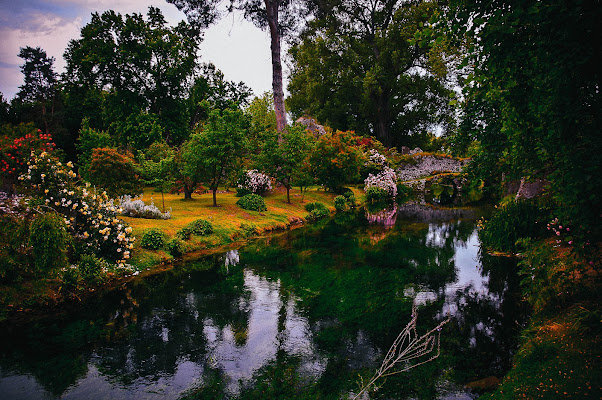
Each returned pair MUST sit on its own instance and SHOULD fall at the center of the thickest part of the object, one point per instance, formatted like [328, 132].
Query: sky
[239, 49]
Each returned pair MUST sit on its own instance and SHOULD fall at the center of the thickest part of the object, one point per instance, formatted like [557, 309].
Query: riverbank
[230, 222]
[232, 225]
[560, 352]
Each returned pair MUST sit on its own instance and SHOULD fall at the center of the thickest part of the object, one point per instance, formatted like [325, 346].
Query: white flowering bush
[91, 217]
[136, 208]
[385, 180]
[374, 157]
[255, 181]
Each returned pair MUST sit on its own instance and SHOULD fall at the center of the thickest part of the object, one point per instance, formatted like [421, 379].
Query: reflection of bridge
[428, 213]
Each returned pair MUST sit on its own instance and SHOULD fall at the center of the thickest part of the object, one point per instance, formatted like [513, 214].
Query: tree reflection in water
[299, 317]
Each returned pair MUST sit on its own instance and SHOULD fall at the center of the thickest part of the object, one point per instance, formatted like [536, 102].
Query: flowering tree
[255, 181]
[385, 180]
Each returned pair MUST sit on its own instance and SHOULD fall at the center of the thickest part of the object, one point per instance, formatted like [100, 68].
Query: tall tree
[358, 67]
[280, 17]
[40, 82]
[133, 65]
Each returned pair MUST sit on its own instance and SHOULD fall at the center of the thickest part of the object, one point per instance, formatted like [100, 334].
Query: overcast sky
[235, 46]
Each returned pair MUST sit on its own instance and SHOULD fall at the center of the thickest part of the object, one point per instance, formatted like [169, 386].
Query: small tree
[283, 157]
[88, 140]
[114, 172]
[216, 152]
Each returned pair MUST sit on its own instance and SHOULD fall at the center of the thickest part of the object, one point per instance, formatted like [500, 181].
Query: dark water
[302, 315]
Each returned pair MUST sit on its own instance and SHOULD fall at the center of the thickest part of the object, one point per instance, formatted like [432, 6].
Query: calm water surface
[302, 315]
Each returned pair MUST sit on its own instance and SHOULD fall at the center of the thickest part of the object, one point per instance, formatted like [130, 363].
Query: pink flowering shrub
[255, 181]
[386, 180]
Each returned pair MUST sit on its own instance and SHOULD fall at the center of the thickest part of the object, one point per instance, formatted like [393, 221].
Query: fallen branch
[407, 351]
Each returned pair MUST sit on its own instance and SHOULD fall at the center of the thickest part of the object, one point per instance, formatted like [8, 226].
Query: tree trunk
[187, 192]
[288, 196]
[214, 190]
[382, 125]
[271, 7]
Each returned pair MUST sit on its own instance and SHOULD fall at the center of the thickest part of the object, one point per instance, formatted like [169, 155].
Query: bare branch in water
[407, 351]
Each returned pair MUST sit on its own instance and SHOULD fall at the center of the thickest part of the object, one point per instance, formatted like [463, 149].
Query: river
[306, 314]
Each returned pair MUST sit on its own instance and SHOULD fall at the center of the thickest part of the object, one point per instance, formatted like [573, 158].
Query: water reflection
[301, 316]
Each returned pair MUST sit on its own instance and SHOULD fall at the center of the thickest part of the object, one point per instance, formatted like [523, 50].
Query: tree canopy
[357, 67]
[126, 65]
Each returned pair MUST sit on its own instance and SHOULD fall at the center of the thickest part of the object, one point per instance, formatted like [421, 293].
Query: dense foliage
[129, 74]
[357, 68]
[532, 103]
[337, 159]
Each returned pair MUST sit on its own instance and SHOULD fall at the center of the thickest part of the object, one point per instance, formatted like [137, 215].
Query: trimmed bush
[176, 247]
[316, 210]
[240, 192]
[340, 203]
[152, 239]
[199, 227]
[252, 202]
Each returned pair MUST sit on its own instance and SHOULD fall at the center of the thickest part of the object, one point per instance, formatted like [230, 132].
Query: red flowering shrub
[16, 145]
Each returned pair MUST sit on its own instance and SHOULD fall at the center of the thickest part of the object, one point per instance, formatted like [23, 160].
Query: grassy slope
[230, 222]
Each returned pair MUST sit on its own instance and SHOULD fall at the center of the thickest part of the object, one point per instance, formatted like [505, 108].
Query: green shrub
[349, 196]
[199, 227]
[152, 239]
[176, 247]
[316, 210]
[513, 221]
[252, 202]
[49, 239]
[70, 279]
[374, 193]
[340, 203]
[90, 269]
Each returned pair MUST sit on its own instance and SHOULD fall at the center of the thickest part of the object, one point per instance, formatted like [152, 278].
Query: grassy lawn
[230, 222]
